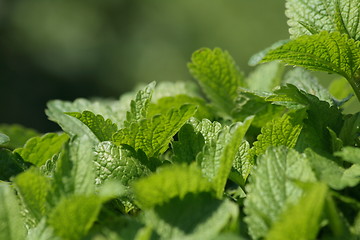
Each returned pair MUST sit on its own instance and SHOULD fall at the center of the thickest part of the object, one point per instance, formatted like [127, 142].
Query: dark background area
[66, 49]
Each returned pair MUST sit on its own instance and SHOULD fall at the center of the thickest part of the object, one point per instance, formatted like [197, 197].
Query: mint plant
[270, 155]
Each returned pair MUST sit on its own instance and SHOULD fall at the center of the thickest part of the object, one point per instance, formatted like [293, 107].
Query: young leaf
[139, 106]
[313, 16]
[350, 132]
[122, 163]
[189, 144]
[38, 150]
[350, 154]
[303, 219]
[74, 216]
[11, 223]
[154, 135]
[218, 76]
[164, 104]
[243, 161]
[169, 182]
[18, 135]
[271, 188]
[331, 173]
[33, 189]
[115, 110]
[74, 173]
[217, 157]
[283, 131]
[11, 164]
[209, 130]
[102, 129]
[329, 52]
[305, 81]
[4, 139]
[196, 216]
[265, 77]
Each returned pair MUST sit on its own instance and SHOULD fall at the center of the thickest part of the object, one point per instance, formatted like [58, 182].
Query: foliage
[265, 156]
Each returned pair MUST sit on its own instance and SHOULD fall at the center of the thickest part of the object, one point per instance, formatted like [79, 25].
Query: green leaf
[74, 173]
[330, 172]
[350, 132]
[169, 182]
[196, 216]
[11, 224]
[305, 81]
[208, 129]
[265, 77]
[349, 154]
[38, 150]
[329, 52]
[154, 135]
[74, 216]
[256, 58]
[254, 103]
[282, 131]
[42, 231]
[102, 129]
[315, 133]
[164, 104]
[33, 189]
[18, 135]
[189, 144]
[121, 163]
[11, 164]
[313, 16]
[303, 219]
[243, 162]
[217, 157]
[218, 76]
[115, 110]
[139, 106]
[4, 139]
[271, 188]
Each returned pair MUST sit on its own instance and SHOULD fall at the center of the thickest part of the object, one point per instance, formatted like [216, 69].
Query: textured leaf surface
[115, 110]
[218, 155]
[243, 161]
[102, 129]
[74, 172]
[189, 144]
[331, 173]
[329, 52]
[303, 219]
[305, 81]
[153, 135]
[11, 224]
[315, 133]
[196, 216]
[164, 104]
[33, 189]
[139, 106]
[218, 76]
[169, 182]
[121, 163]
[73, 217]
[313, 16]
[283, 131]
[38, 150]
[271, 188]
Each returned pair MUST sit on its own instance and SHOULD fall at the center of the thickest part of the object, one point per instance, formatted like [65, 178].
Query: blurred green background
[65, 49]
